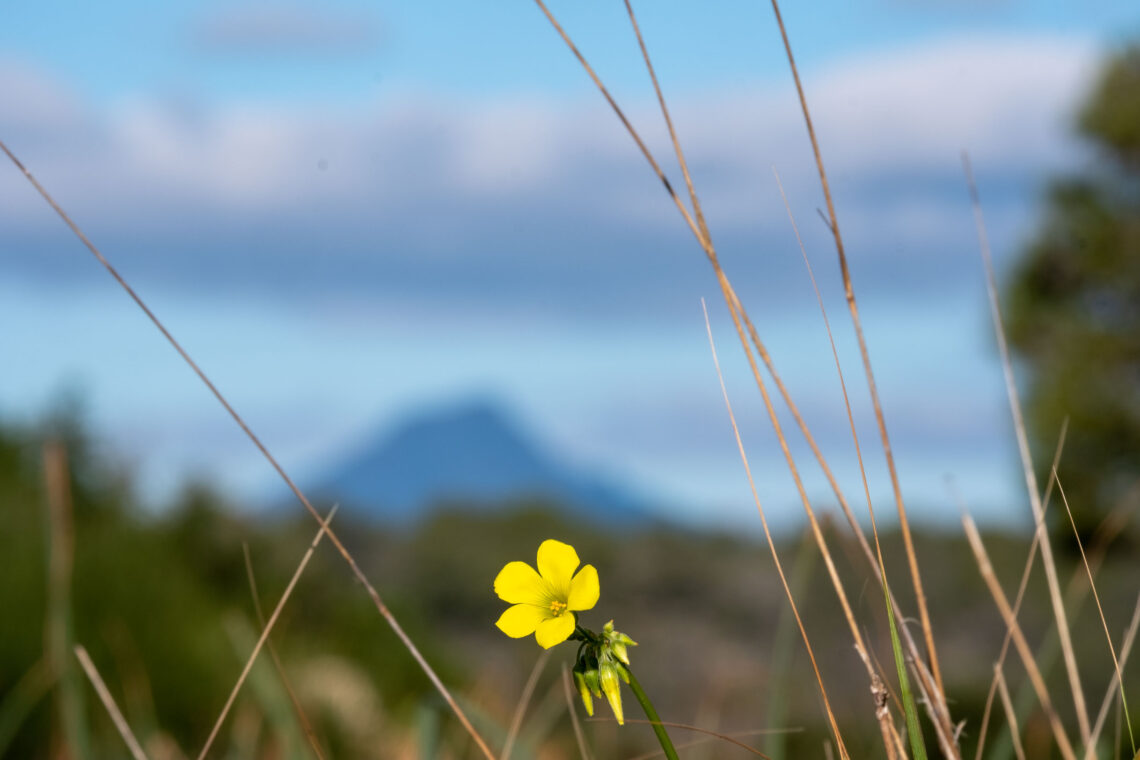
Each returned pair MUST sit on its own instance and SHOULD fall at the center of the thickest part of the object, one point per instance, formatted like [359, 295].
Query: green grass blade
[913, 729]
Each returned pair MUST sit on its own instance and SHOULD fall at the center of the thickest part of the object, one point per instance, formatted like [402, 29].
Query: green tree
[1074, 307]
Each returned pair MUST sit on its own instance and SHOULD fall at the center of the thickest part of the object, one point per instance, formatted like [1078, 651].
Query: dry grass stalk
[880, 419]
[706, 244]
[713, 738]
[1078, 587]
[700, 230]
[569, 689]
[938, 711]
[1100, 609]
[109, 703]
[696, 729]
[299, 711]
[937, 708]
[987, 571]
[771, 543]
[524, 702]
[1027, 461]
[882, 698]
[817, 533]
[625, 121]
[701, 225]
[1010, 713]
[1111, 692]
[377, 601]
[738, 307]
[265, 631]
[1021, 588]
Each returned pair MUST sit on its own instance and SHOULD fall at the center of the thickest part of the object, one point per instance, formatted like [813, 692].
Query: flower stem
[654, 718]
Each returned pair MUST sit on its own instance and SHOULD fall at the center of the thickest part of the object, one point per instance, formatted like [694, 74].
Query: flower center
[557, 607]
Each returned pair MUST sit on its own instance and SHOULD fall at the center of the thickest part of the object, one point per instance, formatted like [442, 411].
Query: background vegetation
[164, 606]
[1074, 304]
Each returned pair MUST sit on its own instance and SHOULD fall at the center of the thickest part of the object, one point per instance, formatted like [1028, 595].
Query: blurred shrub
[1074, 309]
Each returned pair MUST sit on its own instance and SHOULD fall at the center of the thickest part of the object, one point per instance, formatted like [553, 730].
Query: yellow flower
[545, 601]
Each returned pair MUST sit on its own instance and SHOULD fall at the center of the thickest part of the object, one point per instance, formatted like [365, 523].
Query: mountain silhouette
[473, 454]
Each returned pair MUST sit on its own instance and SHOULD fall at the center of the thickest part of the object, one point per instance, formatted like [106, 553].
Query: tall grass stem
[1027, 460]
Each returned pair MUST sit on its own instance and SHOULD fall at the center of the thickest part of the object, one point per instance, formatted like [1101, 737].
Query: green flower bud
[611, 686]
[584, 691]
[616, 642]
[623, 671]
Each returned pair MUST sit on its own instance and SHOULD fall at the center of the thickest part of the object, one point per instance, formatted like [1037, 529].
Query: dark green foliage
[1074, 309]
[1112, 115]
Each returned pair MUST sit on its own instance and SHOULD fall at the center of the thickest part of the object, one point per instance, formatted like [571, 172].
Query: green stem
[654, 718]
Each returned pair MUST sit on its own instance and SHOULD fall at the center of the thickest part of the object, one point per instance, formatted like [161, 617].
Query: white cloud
[289, 28]
[891, 118]
[1005, 99]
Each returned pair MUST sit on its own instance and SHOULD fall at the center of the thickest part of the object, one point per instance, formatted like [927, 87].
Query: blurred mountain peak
[474, 452]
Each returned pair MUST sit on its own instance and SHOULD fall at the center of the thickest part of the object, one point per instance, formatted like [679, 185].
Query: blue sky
[352, 210]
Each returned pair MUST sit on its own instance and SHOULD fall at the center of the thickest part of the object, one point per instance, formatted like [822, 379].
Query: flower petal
[584, 589]
[554, 630]
[557, 562]
[518, 583]
[522, 620]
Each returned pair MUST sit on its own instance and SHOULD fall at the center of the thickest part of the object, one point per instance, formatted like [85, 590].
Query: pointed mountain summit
[472, 453]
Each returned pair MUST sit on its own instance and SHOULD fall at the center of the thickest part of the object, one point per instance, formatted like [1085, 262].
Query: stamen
[557, 607]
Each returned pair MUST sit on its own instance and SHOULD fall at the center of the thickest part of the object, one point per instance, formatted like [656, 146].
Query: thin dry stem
[735, 305]
[891, 739]
[771, 543]
[1010, 713]
[583, 752]
[109, 703]
[1096, 598]
[299, 711]
[1111, 692]
[816, 532]
[880, 419]
[987, 571]
[688, 727]
[1021, 588]
[265, 634]
[937, 708]
[344, 553]
[704, 228]
[1027, 462]
[706, 244]
[716, 737]
[940, 714]
[524, 702]
[625, 121]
